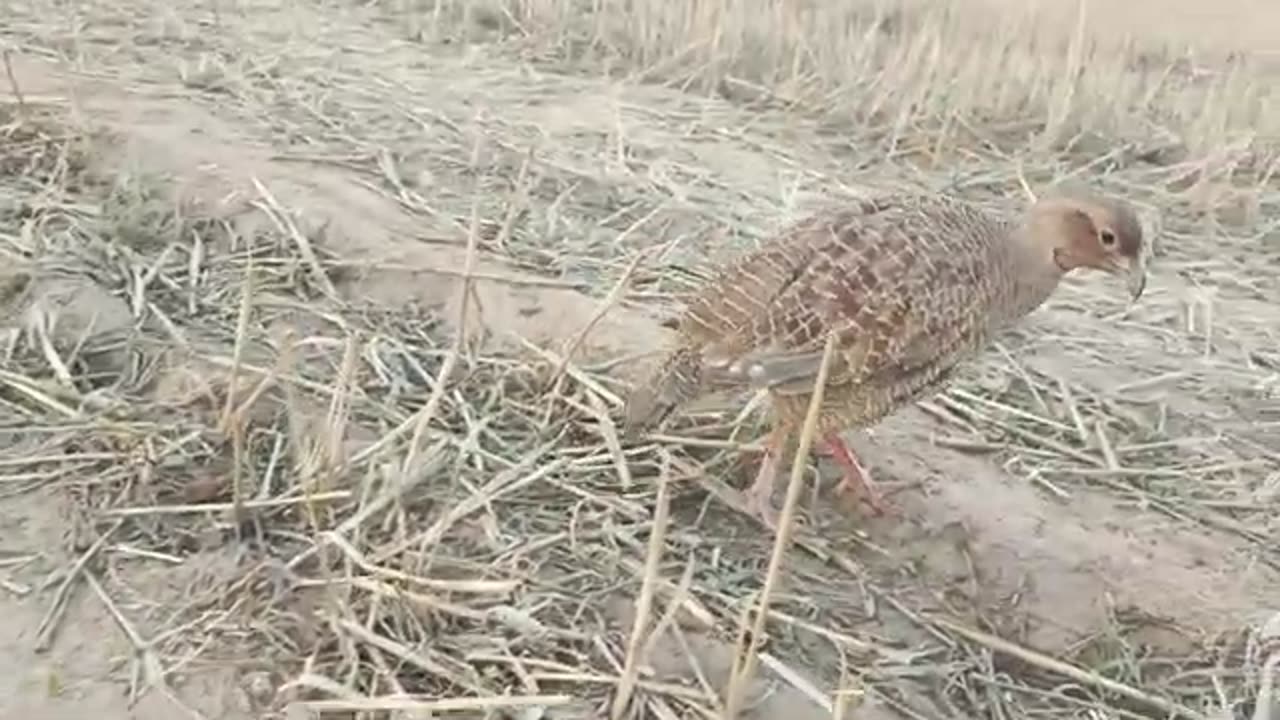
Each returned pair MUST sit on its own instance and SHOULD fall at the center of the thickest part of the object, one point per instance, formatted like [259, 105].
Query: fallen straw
[422, 706]
[1059, 667]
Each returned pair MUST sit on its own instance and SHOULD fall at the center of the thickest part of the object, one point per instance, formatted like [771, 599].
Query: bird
[911, 285]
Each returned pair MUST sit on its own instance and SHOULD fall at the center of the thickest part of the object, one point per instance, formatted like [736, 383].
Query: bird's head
[1093, 232]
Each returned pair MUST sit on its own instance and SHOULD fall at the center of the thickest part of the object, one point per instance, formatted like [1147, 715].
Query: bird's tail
[673, 382]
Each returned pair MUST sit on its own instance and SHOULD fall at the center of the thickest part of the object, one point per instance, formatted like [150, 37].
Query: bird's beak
[1135, 272]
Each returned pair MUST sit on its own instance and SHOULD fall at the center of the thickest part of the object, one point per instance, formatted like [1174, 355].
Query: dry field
[317, 315]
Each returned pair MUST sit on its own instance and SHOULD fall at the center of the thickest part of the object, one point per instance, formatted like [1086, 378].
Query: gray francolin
[910, 286]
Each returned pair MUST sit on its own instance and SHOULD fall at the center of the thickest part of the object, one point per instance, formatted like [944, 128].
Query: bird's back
[879, 270]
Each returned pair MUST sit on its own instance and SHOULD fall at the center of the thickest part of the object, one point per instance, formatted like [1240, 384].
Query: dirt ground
[1062, 566]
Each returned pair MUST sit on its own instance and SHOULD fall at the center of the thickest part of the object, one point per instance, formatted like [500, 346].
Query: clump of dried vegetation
[425, 521]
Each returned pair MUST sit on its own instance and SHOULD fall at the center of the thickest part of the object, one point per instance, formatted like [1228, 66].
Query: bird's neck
[1035, 274]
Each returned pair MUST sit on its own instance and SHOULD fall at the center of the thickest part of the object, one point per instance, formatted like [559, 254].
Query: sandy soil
[1069, 564]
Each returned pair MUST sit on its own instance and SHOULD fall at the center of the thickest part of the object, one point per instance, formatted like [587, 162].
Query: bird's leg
[856, 476]
[760, 494]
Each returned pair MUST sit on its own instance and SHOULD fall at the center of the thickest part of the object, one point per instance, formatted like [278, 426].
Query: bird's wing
[715, 320]
[900, 290]
[725, 308]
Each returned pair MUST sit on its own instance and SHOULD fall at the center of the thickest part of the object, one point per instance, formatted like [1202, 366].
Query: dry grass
[913, 78]
[428, 521]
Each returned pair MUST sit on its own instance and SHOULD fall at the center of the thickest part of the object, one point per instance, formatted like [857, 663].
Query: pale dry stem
[745, 657]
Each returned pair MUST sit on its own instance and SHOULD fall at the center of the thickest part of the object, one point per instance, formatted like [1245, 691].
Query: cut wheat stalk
[745, 656]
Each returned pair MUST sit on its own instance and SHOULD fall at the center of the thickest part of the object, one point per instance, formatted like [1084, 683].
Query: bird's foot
[856, 478]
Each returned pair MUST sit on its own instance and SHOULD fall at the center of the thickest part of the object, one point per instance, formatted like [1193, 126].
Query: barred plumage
[909, 285]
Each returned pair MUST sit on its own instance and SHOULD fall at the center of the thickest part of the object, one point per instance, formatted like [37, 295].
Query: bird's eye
[1107, 238]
